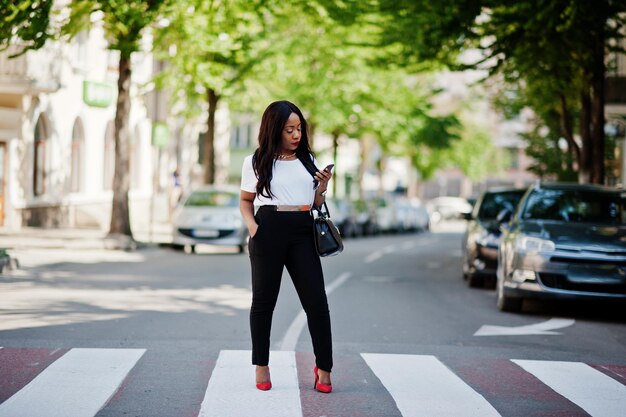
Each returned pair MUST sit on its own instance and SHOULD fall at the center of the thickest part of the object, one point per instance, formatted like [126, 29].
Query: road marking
[591, 390]
[543, 328]
[389, 249]
[374, 256]
[408, 245]
[297, 325]
[231, 391]
[77, 384]
[423, 386]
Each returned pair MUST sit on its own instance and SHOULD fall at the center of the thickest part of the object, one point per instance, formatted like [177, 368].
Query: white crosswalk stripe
[231, 391]
[76, 385]
[590, 389]
[423, 386]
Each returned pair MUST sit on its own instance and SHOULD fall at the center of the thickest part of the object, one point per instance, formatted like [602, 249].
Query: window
[78, 141]
[513, 158]
[577, 206]
[493, 203]
[241, 136]
[39, 157]
[212, 199]
[109, 156]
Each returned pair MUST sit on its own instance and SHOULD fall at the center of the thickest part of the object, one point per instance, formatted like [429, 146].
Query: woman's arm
[323, 177]
[246, 206]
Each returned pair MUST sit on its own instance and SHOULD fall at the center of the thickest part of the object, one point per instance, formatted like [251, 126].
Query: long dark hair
[273, 122]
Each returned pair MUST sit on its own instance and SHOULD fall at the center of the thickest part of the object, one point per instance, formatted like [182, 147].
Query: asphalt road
[164, 330]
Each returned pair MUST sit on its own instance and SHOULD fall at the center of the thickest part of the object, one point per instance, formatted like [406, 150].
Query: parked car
[447, 208]
[346, 221]
[411, 214]
[482, 237]
[209, 215]
[366, 217]
[564, 241]
[386, 215]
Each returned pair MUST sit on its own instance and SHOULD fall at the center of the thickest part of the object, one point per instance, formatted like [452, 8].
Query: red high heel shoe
[326, 389]
[264, 386]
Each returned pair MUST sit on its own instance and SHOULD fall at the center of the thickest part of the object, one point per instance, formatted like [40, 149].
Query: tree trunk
[584, 170]
[120, 217]
[568, 133]
[597, 113]
[335, 149]
[209, 139]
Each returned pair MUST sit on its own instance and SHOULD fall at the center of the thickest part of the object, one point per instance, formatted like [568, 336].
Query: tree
[27, 20]
[124, 24]
[211, 47]
[562, 42]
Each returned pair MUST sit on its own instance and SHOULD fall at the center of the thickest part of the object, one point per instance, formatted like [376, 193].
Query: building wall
[56, 98]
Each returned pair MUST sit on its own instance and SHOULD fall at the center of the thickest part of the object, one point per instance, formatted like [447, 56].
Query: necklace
[281, 156]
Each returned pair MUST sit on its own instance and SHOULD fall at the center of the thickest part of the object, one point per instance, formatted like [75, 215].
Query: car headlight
[534, 244]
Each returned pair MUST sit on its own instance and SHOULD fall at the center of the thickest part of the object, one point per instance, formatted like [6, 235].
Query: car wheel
[475, 281]
[242, 248]
[177, 246]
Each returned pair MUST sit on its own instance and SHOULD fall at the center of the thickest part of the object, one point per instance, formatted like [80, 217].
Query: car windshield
[580, 206]
[212, 199]
[493, 203]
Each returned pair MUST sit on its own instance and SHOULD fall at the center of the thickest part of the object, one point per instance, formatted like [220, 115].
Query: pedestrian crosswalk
[84, 382]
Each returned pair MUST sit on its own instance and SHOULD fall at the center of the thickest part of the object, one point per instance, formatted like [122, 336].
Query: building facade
[57, 145]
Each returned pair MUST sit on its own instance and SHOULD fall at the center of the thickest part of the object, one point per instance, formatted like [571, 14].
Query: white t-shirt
[291, 183]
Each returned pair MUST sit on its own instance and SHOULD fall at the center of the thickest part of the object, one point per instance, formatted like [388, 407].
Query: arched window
[78, 144]
[109, 156]
[39, 157]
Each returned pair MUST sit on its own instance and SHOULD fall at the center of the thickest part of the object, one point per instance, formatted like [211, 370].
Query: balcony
[33, 72]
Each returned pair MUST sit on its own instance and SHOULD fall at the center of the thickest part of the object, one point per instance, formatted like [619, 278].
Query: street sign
[97, 94]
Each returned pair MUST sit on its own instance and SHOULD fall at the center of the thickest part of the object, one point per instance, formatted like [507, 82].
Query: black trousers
[285, 239]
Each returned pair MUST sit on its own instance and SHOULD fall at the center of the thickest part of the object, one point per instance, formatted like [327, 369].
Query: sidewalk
[82, 239]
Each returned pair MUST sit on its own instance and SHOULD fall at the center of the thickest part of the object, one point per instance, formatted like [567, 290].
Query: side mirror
[504, 216]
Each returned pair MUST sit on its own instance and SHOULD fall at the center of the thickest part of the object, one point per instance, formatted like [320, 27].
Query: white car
[447, 208]
[412, 215]
[209, 215]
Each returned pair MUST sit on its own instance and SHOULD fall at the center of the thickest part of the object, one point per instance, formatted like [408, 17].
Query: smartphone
[329, 167]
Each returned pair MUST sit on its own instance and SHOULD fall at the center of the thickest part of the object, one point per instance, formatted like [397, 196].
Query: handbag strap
[319, 209]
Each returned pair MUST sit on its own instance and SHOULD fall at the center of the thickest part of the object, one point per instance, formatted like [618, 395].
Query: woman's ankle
[262, 373]
[324, 376]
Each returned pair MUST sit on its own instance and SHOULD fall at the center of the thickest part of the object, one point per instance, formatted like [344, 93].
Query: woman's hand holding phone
[324, 176]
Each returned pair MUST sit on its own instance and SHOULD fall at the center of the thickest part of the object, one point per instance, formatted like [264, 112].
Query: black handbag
[327, 237]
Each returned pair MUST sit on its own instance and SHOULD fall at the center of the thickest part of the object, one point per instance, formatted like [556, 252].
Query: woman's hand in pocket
[253, 230]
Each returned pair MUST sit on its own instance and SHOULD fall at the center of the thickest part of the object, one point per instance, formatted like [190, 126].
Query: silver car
[210, 215]
[564, 241]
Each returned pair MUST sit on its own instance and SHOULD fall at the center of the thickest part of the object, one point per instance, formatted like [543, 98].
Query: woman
[281, 180]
